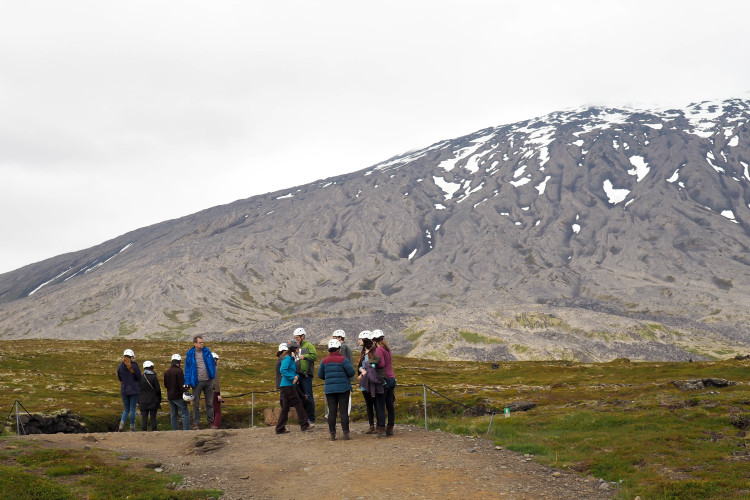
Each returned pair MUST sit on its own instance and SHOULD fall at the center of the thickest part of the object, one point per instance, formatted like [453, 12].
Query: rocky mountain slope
[588, 234]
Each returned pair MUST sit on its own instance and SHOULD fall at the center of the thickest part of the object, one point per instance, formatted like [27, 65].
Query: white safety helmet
[148, 364]
[300, 331]
[129, 352]
[365, 334]
[283, 347]
[377, 334]
[339, 333]
[216, 356]
[176, 357]
[187, 396]
[334, 344]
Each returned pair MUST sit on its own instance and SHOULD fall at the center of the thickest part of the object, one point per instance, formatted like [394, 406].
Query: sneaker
[285, 431]
[132, 428]
[311, 425]
[121, 427]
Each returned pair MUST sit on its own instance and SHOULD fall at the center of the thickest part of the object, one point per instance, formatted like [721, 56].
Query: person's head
[364, 334]
[299, 335]
[339, 335]
[334, 345]
[282, 350]
[292, 346]
[198, 342]
[128, 357]
[379, 337]
[176, 358]
[148, 365]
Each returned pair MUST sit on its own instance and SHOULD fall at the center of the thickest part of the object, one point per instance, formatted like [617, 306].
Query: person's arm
[321, 372]
[288, 369]
[348, 368]
[379, 353]
[312, 353]
[217, 389]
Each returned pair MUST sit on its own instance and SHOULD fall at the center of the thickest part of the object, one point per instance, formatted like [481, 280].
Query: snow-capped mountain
[586, 234]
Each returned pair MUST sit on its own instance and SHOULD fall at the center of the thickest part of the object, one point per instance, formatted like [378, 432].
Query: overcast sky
[118, 115]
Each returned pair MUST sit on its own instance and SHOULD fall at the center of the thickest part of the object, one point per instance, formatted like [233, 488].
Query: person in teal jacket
[200, 370]
[288, 389]
[337, 371]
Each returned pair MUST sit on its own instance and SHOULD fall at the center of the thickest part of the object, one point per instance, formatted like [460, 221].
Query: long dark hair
[366, 346]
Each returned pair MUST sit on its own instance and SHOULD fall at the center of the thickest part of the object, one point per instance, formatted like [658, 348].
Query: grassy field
[620, 421]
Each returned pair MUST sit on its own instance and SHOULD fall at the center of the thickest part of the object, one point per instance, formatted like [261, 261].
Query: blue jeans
[305, 384]
[178, 407]
[129, 401]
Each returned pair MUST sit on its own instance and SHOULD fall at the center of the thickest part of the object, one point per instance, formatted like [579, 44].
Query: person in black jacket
[150, 398]
[174, 382]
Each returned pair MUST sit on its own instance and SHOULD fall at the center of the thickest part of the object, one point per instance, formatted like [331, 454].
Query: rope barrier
[486, 412]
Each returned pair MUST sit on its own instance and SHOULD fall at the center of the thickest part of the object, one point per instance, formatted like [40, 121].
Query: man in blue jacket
[200, 370]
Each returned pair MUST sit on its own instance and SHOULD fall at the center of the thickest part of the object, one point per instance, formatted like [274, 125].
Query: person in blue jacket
[288, 388]
[200, 370]
[337, 372]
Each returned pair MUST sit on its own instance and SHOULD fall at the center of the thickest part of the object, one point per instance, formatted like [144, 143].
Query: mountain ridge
[622, 233]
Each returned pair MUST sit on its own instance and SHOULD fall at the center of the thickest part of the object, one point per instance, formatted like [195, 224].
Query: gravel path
[255, 463]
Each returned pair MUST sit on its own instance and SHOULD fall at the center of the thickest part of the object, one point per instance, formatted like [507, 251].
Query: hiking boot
[380, 432]
[346, 436]
[285, 431]
[196, 427]
[121, 427]
[389, 430]
[371, 430]
[132, 428]
[333, 436]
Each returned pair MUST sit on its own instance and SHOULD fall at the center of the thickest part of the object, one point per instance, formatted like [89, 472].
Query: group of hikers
[295, 370]
[201, 375]
[374, 374]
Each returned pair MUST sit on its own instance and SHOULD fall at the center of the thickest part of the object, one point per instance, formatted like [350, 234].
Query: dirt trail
[255, 463]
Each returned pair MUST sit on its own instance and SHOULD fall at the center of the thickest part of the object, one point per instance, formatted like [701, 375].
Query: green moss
[125, 329]
[414, 335]
[476, 338]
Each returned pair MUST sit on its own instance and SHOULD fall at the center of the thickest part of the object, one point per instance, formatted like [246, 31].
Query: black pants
[306, 403]
[144, 419]
[338, 402]
[370, 404]
[290, 398]
[386, 403]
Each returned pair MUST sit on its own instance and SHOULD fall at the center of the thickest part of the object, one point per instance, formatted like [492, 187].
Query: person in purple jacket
[130, 377]
[386, 403]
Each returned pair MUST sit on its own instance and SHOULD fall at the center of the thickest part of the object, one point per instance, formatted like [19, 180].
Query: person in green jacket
[306, 357]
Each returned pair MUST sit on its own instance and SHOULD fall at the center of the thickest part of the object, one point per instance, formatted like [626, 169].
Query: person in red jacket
[217, 394]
